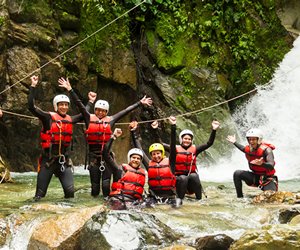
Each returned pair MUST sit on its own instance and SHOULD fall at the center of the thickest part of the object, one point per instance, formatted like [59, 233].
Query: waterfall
[275, 110]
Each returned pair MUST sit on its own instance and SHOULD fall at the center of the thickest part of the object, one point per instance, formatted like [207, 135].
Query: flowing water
[275, 109]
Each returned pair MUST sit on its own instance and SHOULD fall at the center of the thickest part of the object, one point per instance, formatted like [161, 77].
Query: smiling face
[100, 113]
[253, 142]
[62, 108]
[135, 161]
[156, 155]
[186, 140]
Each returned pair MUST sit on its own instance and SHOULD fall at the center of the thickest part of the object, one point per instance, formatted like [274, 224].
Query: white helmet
[102, 104]
[255, 132]
[185, 132]
[134, 151]
[60, 98]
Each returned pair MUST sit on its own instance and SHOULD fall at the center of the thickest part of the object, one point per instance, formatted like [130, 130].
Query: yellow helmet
[157, 146]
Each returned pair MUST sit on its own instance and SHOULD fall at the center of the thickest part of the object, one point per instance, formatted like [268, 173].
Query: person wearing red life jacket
[56, 139]
[128, 187]
[187, 178]
[98, 131]
[161, 170]
[261, 163]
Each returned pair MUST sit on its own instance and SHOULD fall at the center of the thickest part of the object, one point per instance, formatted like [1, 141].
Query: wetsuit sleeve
[45, 117]
[209, 143]
[172, 155]
[85, 115]
[137, 143]
[108, 158]
[239, 146]
[269, 159]
[122, 113]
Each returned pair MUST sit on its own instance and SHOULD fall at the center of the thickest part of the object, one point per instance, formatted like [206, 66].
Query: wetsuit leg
[67, 182]
[95, 175]
[194, 185]
[106, 176]
[43, 179]
[241, 175]
[181, 185]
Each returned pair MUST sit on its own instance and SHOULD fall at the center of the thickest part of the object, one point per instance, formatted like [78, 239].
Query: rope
[161, 119]
[72, 47]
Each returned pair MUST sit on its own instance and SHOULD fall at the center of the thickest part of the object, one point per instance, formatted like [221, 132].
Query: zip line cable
[72, 47]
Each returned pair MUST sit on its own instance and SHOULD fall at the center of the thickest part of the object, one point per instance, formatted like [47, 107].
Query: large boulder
[211, 242]
[4, 172]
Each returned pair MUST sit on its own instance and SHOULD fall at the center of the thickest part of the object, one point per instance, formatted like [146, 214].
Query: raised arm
[147, 101]
[172, 156]
[215, 125]
[156, 134]
[232, 139]
[136, 142]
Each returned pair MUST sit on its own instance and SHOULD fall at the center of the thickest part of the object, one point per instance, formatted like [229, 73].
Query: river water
[275, 109]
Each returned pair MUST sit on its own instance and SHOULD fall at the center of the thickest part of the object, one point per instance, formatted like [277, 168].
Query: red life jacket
[131, 184]
[61, 130]
[99, 130]
[257, 154]
[160, 176]
[185, 160]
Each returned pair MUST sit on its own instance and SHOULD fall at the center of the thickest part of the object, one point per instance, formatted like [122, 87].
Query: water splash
[275, 110]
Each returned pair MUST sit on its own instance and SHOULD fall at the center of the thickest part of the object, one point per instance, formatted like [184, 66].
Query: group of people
[169, 178]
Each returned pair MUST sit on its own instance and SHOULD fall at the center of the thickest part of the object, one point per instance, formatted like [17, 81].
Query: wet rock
[125, 230]
[178, 247]
[270, 196]
[61, 231]
[286, 215]
[211, 242]
[295, 220]
[3, 232]
[270, 237]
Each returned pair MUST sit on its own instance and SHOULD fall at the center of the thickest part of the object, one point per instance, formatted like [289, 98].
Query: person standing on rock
[161, 169]
[261, 162]
[128, 188]
[56, 139]
[99, 130]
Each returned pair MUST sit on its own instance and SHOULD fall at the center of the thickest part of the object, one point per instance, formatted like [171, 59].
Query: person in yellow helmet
[161, 169]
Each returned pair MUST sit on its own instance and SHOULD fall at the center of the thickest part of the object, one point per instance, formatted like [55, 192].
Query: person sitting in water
[187, 178]
[56, 138]
[98, 131]
[128, 188]
[161, 170]
[261, 163]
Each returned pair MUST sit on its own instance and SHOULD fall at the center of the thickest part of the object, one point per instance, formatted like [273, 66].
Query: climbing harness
[61, 157]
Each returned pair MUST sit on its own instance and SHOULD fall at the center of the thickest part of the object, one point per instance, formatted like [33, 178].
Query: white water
[276, 111]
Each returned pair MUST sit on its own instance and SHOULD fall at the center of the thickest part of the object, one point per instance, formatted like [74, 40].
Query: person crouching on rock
[131, 177]
[261, 162]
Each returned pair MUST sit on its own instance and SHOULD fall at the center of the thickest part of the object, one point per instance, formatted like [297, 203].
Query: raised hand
[215, 125]
[92, 96]
[172, 120]
[231, 138]
[117, 132]
[64, 83]
[133, 125]
[154, 124]
[146, 101]
[34, 80]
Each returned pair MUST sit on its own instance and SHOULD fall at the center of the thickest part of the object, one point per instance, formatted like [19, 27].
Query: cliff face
[186, 55]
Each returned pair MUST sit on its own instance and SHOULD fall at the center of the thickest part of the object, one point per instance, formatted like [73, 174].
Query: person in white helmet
[128, 187]
[261, 162]
[187, 177]
[99, 130]
[161, 169]
[56, 139]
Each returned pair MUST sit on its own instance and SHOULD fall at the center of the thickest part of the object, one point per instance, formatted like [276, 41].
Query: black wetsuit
[252, 179]
[49, 162]
[95, 156]
[162, 195]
